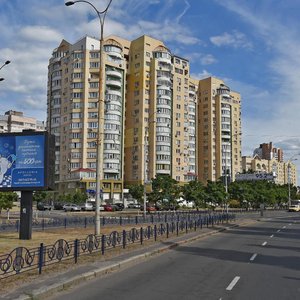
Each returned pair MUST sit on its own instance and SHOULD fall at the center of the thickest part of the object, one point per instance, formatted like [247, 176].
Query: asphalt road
[259, 261]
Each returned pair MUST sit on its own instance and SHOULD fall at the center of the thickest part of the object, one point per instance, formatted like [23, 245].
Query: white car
[71, 207]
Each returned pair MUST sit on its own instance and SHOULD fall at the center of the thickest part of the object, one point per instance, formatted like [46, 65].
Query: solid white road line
[272, 236]
[253, 256]
[264, 244]
[233, 283]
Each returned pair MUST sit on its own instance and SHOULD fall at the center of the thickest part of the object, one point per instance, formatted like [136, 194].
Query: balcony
[114, 83]
[114, 73]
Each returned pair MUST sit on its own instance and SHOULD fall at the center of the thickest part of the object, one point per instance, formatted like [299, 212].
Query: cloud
[201, 75]
[235, 39]
[40, 34]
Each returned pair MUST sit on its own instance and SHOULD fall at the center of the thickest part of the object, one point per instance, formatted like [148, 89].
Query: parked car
[88, 206]
[59, 205]
[134, 205]
[149, 208]
[44, 206]
[109, 207]
[119, 206]
[71, 207]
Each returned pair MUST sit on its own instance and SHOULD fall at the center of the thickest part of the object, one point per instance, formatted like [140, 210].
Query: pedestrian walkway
[46, 285]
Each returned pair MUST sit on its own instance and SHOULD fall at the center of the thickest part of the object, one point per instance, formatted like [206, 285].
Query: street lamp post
[289, 176]
[6, 63]
[101, 15]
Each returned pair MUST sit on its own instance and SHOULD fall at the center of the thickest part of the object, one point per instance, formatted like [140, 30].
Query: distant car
[134, 205]
[149, 208]
[71, 207]
[88, 206]
[59, 205]
[109, 207]
[44, 206]
[119, 206]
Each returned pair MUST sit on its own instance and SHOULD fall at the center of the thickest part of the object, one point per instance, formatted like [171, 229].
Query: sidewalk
[45, 286]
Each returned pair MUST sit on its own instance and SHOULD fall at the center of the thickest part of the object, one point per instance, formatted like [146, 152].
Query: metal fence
[84, 222]
[22, 259]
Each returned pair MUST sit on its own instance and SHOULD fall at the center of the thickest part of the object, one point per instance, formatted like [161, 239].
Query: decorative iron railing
[84, 222]
[22, 259]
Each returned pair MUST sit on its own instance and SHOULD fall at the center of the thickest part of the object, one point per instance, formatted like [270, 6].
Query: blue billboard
[23, 161]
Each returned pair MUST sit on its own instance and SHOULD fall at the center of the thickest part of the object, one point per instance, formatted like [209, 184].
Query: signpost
[26, 165]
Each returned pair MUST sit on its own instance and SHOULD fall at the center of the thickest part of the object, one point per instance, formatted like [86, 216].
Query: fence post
[43, 224]
[207, 221]
[103, 221]
[141, 235]
[124, 239]
[103, 244]
[76, 254]
[65, 221]
[41, 258]
[177, 228]
[152, 219]
[155, 232]
[85, 222]
[148, 233]
[136, 220]
[167, 230]
[186, 227]
[195, 225]
[17, 225]
[121, 221]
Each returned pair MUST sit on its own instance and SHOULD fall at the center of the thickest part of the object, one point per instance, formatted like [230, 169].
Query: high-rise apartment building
[267, 151]
[15, 121]
[153, 123]
[73, 106]
[160, 134]
[219, 130]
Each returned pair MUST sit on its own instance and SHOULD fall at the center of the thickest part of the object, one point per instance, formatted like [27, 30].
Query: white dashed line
[264, 244]
[278, 230]
[253, 256]
[284, 227]
[290, 224]
[272, 236]
[233, 283]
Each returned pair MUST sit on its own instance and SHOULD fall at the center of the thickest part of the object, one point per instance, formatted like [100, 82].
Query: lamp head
[69, 3]
[1, 79]
[7, 62]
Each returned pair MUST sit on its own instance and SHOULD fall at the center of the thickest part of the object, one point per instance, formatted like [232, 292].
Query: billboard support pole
[25, 231]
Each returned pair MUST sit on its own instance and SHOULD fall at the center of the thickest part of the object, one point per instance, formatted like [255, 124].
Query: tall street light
[289, 175]
[99, 160]
[6, 63]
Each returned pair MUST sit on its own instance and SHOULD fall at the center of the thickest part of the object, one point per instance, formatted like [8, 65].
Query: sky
[253, 45]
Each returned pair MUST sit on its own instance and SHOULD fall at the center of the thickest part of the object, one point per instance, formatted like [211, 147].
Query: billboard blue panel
[23, 161]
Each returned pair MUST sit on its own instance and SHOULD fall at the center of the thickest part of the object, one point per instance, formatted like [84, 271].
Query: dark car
[59, 205]
[134, 205]
[44, 206]
[119, 206]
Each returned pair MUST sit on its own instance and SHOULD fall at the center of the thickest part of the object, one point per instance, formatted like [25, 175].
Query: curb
[45, 291]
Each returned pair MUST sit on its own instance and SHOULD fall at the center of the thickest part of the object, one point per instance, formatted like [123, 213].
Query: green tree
[79, 197]
[194, 191]
[165, 189]
[137, 192]
[7, 199]
[216, 194]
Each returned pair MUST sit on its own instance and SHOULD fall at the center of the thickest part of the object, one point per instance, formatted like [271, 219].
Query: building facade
[15, 121]
[219, 131]
[267, 151]
[283, 172]
[73, 115]
[156, 118]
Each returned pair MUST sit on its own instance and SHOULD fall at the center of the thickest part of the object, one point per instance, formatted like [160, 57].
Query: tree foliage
[137, 192]
[7, 199]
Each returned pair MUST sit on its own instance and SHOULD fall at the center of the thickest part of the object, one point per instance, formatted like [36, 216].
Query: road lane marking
[264, 244]
[272, 236]
[278, 230]
[233, 283]
[253, 256]
[284, 227]
[290, 224]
